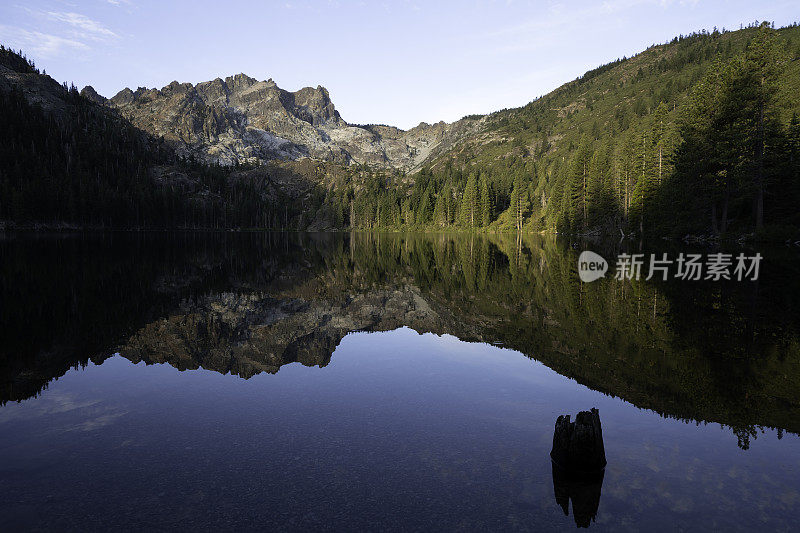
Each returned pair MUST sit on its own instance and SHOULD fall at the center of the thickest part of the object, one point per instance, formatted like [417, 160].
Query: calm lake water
[386, 382]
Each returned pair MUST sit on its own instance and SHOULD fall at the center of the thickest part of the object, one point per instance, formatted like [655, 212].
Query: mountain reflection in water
[249, 304]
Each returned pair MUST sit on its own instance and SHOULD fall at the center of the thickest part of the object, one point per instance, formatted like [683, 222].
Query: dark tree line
[738, 162]
[84, 165]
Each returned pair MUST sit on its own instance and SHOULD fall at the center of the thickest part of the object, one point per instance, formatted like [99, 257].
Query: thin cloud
[559, 15]
[82, 26]
[41, 44]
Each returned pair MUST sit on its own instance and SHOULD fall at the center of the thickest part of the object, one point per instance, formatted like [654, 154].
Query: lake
[399, 382]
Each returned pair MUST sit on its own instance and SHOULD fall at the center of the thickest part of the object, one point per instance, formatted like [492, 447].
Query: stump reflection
[584, 491]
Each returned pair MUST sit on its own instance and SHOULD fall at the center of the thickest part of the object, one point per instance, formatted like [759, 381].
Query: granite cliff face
[241, 119]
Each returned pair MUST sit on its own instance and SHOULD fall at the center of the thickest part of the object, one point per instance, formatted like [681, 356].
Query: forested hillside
[699, 135]
[64, 160]
[67, 161]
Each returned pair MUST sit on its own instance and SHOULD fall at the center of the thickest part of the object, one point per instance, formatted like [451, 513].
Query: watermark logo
[591, 266]
[689, 267]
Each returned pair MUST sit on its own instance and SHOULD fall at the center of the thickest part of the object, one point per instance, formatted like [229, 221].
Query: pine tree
[469, 213]
[519, 205]
[441, 210]
[485, 202]
[425, 209]
[763, 60]
[578, 186]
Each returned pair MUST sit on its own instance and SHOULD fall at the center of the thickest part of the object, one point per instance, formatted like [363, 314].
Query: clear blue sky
[394, 62]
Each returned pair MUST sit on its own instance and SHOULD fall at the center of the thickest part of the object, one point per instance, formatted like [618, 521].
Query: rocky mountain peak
[240, 118]
[122, 98]
[89, 93]
[240, 81]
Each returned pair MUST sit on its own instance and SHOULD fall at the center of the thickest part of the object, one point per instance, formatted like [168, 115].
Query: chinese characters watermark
[689, 267]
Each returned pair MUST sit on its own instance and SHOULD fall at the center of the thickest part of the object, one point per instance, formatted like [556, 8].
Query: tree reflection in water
[725, 352]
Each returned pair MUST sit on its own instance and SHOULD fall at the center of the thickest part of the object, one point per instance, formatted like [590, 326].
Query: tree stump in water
[579, 460]
[578, 446]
